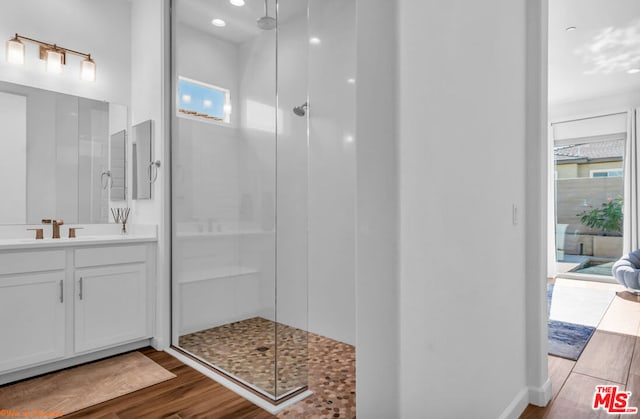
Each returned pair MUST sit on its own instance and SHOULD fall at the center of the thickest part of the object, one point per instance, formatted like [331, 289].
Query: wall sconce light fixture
[54, 56]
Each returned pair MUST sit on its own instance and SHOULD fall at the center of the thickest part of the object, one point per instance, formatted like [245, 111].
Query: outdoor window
[589, 190]
[201, 101]
[606, 173]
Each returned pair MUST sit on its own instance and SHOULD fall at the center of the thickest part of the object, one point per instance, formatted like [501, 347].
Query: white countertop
[88, 236]
[16, 244]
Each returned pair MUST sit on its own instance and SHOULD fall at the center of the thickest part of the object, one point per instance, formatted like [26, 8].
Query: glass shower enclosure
[239, 190]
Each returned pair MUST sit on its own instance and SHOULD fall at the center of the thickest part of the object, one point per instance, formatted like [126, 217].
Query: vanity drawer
[109, 255]
[13, 263]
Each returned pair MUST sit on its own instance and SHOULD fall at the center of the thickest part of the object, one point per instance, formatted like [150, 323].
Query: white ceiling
[241, 21]
[593, 60]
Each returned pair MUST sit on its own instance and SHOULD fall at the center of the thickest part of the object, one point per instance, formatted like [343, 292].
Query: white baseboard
[517, 405]
[239, 390]
[540, 396]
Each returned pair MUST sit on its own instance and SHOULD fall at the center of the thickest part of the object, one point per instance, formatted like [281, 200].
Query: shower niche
[239, 152]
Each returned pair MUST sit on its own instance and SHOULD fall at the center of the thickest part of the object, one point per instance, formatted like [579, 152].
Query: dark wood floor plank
[559, 370]
[220, 402]
[633, 385]
[203, 408]
[533, 412]
[575, 398]
[607, 356]
[635, 360]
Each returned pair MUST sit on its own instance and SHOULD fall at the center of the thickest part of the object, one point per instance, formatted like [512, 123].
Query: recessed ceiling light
[314, 41]
[237, 2]
[633, 70]
[570, 28]
[219, 23]
[351, 81]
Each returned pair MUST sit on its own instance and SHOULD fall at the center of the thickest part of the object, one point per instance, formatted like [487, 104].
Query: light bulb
[88, 69]
[15, 51]
[54, 62]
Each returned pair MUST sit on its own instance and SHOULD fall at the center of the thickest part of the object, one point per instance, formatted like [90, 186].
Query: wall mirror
[117, 166]
[145, 170]
[54, 149]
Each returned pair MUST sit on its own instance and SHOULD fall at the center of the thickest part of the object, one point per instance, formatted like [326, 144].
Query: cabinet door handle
[61, 291]
[81, 288]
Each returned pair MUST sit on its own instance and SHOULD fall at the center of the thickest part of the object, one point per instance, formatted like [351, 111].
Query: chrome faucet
[56, 227]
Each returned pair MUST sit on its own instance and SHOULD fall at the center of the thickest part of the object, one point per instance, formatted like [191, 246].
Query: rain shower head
[266, 22]
[301, 110]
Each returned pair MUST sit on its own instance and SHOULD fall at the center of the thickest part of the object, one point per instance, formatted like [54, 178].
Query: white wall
[377, 355]
[594, 106]
[149, 75]
[537, 164]
[97, 27]
[147, 94]
[462, 276]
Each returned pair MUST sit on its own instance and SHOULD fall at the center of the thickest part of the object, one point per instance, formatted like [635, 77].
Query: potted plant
[608, 220]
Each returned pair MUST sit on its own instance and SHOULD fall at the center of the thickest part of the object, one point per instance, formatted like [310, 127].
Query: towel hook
[153, 174]
[105, 184]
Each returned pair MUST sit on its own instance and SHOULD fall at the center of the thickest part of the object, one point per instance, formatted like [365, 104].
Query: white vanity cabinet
[32, 308]
[111, 297]
[72, 303]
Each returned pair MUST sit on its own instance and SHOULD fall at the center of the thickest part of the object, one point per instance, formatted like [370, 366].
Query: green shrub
[607, 218]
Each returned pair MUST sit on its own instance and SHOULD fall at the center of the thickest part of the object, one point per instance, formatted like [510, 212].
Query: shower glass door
[239, 189]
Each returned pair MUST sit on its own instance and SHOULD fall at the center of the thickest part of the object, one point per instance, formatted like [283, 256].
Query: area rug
[573, 315]
[73, 389]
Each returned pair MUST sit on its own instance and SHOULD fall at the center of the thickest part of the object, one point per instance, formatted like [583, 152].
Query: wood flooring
[189, 395]
[609, 358]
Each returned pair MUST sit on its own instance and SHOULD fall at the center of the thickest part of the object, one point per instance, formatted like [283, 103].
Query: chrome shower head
[301, 110]
[266, 22]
